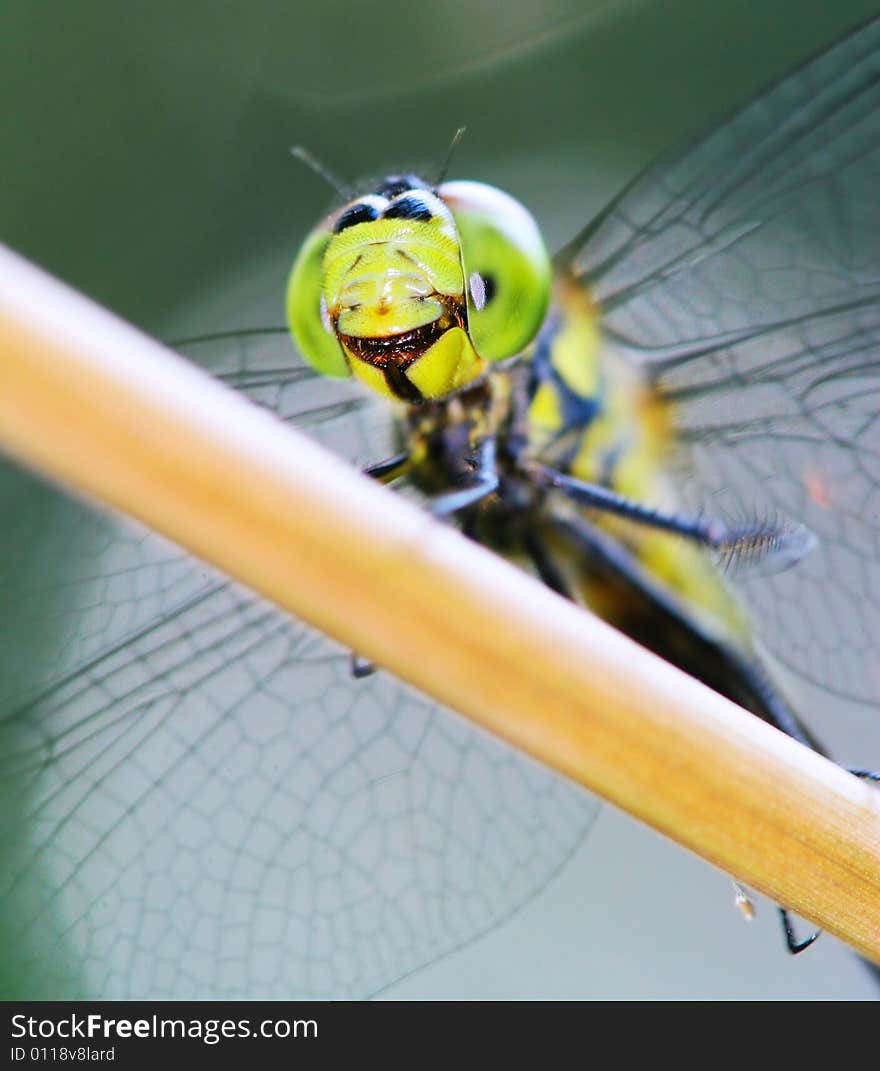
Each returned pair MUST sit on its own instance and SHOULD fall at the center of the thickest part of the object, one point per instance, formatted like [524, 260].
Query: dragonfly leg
[793, 945]
[485, 483]
[443, 505]
[389, 469]
[865, 775]
[546, 568]
[360, 667]
[743, 543]
[384, 471]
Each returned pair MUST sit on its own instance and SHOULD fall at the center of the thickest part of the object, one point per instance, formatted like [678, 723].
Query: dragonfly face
[415, 291]
[209, 804]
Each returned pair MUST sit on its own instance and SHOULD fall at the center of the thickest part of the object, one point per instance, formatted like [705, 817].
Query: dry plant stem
[91, 402]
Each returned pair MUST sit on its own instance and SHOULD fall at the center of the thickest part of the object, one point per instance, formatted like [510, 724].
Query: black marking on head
[395, 185]
[357, 213]
[411, 207]
[490, 288]
[400, 385]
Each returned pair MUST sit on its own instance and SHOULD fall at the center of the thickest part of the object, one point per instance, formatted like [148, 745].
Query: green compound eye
[506, 266]
[311, 331]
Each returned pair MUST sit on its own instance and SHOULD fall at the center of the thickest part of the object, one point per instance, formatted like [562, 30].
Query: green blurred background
[146, 162]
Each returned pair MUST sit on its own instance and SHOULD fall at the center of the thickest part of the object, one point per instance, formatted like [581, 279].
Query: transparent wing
[199, 801]
[745, 276]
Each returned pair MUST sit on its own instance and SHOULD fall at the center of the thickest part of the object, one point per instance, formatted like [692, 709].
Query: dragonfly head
[415, 290]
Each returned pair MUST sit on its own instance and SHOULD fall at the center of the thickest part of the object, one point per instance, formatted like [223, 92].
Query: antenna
[453, 145]
[322, 171]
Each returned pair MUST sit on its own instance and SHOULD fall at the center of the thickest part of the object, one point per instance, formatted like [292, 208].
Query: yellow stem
[93, 403]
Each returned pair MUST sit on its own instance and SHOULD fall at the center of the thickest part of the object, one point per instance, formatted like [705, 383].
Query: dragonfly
[675, 422]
